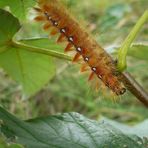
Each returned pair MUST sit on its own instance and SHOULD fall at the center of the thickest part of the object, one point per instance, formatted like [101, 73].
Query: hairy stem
[127, 79]
[128, 41]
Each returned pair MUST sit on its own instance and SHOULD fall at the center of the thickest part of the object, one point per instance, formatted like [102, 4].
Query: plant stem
[41, 50]
[128, 41]
[135, 88]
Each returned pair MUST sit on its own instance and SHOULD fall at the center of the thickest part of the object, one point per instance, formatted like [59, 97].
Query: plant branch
[128, 41]
[127, 79]
[135, 88]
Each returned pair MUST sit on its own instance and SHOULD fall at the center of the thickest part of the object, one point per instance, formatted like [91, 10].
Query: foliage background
[68, 90]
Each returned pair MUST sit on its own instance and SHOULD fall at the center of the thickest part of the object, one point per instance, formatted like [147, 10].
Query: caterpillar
[56, 16]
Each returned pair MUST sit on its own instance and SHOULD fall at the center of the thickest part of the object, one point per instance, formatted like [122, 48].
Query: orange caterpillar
[55, 15]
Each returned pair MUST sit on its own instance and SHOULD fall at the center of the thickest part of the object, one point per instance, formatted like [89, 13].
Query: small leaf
[18, 7]
[139, 51]
[9, 25]
[69, 130]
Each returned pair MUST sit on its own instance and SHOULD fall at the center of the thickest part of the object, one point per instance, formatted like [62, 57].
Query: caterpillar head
[120, 91]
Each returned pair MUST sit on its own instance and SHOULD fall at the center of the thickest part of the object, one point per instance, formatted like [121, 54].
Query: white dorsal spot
[70, 39]
[79, 49]
[86, 59]
[55, 23]
[63, 30]
[49, 18]
[94, 69]
[100, 76]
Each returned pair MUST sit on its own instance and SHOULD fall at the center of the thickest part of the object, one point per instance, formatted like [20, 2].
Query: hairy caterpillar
[55, 15]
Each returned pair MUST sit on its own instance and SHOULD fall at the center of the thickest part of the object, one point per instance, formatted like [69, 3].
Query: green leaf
[18, 7]
[139, 51]
[31, 70]
[63, 131]
[9, 25]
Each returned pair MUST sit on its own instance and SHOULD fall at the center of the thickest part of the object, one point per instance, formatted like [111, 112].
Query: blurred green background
[109, 22]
